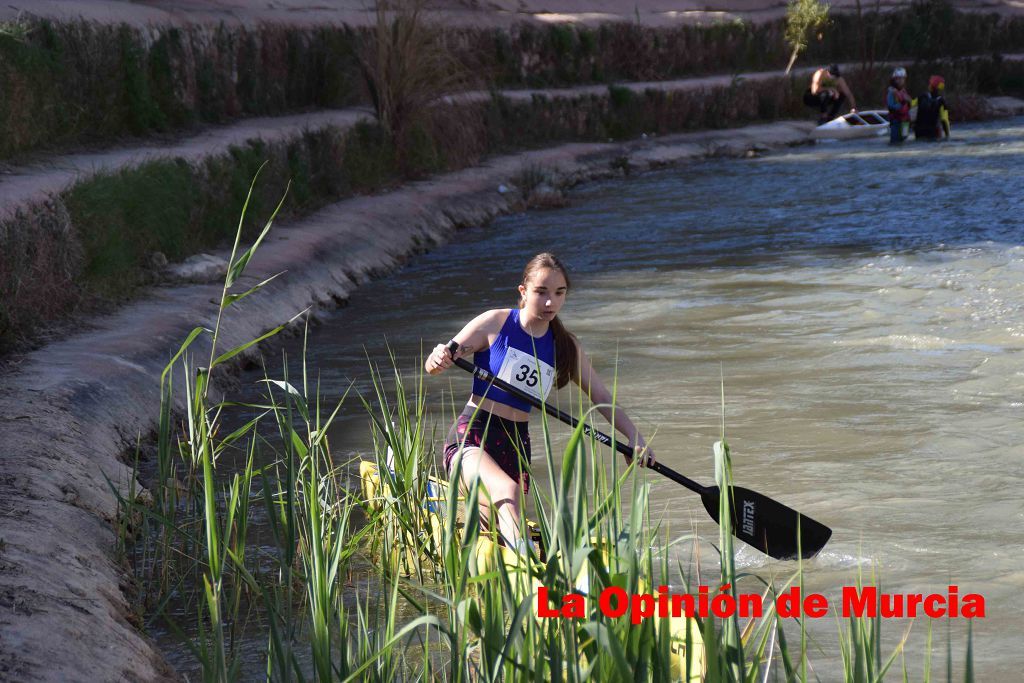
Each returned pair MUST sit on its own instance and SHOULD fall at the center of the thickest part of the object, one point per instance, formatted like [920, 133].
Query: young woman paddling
[531, 349]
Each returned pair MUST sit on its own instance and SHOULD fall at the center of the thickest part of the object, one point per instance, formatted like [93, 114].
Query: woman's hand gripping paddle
[757, 520]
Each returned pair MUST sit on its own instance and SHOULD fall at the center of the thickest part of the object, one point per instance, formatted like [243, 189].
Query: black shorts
[506, 441]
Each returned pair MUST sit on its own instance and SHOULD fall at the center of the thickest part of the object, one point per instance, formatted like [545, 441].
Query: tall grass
[393, 577]
[129, 80]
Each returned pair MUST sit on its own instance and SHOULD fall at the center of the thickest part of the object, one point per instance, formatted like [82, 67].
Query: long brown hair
[566, 355]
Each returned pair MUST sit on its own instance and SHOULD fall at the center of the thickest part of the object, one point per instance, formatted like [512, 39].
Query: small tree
[408, 68]
[803, 17]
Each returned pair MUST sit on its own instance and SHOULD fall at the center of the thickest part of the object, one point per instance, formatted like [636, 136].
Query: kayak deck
[488, 554]
[854, 125]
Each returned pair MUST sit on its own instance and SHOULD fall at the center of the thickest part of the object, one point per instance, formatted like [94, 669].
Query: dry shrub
[967, 79]
[969, 107]
[457, 131]
[125, 80]
[409, 69]
[625, 113]
[542, 56]
[39, 262]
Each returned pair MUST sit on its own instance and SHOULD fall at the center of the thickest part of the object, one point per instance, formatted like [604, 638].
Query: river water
[865, 308]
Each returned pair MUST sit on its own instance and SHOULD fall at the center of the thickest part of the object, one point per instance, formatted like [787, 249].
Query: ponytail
[566, 354]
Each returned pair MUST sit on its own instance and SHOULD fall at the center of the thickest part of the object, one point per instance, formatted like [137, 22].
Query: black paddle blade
[768, 525]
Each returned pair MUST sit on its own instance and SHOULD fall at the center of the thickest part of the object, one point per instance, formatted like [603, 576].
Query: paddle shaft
[756, 519]
[487, 376]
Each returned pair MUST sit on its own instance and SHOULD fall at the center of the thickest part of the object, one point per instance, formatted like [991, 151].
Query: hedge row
[101, 234]
[67, 84]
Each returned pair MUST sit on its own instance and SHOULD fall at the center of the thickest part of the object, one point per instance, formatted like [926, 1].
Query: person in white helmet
[897, 99]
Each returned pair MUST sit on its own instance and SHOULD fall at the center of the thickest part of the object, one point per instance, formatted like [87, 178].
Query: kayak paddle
[773, 528]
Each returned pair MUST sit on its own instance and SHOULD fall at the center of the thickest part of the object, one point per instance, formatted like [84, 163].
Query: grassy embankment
[94, 245]
[345, 587]
[125, 81]
[104, 230]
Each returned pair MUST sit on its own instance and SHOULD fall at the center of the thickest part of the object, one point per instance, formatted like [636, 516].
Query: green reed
[395, 586]
[491, 609]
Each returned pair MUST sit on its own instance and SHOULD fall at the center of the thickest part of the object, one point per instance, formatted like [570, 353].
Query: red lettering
[702, 607]
[544, 610]
[751, 605]
[935, 606]
[913, 600]
[815, 605]
[605, 602]
[663, 602]
[683, 604]
[892, 606]
[788, 604]
[574, 606]
[860, 603]
[641, 608]
[974, 606]
[723, 606]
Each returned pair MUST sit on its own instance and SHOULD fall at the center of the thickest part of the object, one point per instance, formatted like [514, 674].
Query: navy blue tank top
[520, 359]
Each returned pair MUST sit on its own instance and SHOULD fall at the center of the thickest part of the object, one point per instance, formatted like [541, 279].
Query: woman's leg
[499, 493]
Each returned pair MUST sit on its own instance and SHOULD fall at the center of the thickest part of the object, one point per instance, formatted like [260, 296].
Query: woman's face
[543, 294]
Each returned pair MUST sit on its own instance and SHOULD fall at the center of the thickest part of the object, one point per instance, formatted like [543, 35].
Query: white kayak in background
[861, 124]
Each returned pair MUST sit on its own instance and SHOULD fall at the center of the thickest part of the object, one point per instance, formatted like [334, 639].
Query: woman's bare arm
[591, 384]
[476, 335]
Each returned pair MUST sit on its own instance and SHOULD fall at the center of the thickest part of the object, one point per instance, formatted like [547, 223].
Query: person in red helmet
[932, 113]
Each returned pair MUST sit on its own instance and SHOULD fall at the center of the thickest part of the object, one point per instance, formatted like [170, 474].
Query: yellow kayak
[488, 554]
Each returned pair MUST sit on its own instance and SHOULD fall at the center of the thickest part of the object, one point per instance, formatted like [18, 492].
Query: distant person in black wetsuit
[932, 114]
[828, 92]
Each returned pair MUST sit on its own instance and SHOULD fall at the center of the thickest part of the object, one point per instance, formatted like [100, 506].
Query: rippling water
[865, 307]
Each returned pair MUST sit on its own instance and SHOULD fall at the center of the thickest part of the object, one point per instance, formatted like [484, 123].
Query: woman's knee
[503, 490]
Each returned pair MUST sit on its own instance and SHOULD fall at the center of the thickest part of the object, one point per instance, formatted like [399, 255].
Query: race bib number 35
[524, 372]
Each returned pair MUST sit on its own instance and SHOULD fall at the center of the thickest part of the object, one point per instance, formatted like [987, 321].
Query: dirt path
[21, 186]
[458, 12]
[51, 174]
